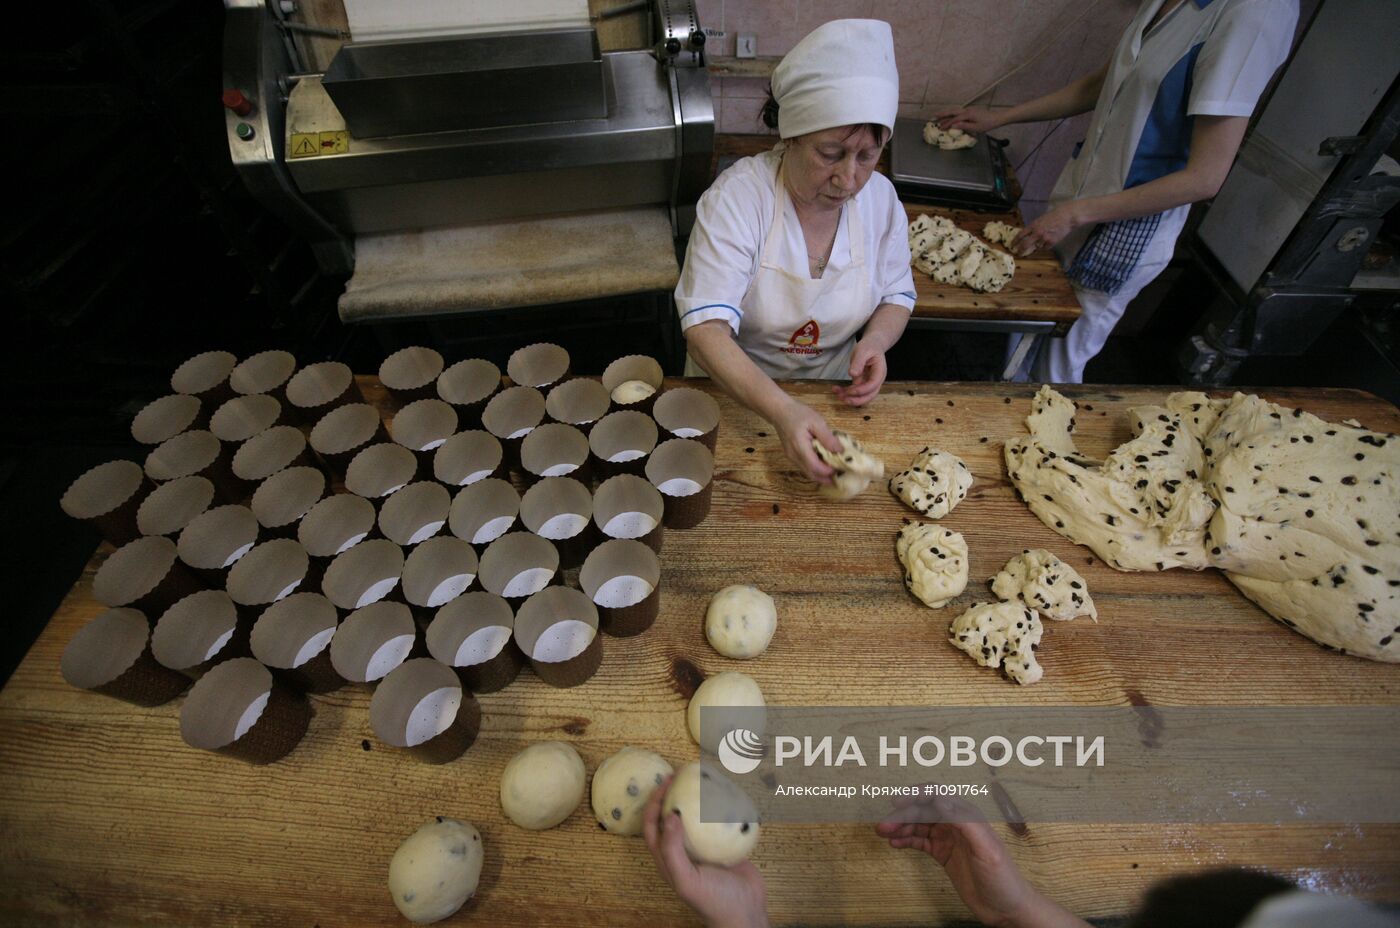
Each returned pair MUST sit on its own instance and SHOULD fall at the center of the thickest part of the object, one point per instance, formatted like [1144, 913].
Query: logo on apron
[805, 341]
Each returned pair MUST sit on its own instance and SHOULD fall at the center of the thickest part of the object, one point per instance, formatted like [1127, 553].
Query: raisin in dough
[631, 391]
[1001, 635]
[854, 467]
[1045, 583]
[723, 689]
[935, 483]
[542, 785]
[730, 835]
[436, 870]
[741, 621]
[622, 784]
[935, 562]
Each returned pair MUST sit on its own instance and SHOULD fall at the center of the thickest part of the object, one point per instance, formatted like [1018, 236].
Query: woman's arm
[712, 346]
[1215, 140]
[868, 367]
[1070, 100]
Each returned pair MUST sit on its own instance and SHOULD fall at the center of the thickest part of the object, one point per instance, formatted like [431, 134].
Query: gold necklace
[821, 262]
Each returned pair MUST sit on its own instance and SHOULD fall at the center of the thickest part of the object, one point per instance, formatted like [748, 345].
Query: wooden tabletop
[1038, 293]
[107, 818]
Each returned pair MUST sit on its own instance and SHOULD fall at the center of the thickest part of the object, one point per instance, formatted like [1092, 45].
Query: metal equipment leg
[1024, 348]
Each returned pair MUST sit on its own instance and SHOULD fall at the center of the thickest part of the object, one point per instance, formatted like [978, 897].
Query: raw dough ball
[1045, 583]
[935, 483]
[622, 784]
[632, 391]
[935, 562]
[723, 689]
[741, 621]
[1000, 233]
[542, 785]
[436, 870]
[854, 467]
[731, 834]
[1001, 635]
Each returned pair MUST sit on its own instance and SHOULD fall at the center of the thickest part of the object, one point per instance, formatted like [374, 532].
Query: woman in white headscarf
[798, 266]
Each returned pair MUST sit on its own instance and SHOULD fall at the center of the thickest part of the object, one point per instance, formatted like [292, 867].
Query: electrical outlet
[746, 46]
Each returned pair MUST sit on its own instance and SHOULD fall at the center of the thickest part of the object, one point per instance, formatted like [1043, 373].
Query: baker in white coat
[1170, 109]
[798, 266]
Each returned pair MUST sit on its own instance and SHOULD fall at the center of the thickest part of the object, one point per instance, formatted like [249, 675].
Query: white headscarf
[841, 74]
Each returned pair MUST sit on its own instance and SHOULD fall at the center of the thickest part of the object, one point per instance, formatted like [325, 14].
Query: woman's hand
[975, 119]
[798, 426]
[867, 375]
[1049, 230]
[726, 897]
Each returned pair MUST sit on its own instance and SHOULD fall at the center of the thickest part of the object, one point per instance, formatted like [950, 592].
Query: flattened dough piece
[740, 621]
[934, 483]
[935, 562]
[436, 870]
[1000, 233]
[1003, 635]
[1045, 583]
[855, 467]
[622, 784]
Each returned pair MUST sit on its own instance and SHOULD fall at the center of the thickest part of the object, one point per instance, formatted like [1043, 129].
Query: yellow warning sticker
[335, 143]
[305, 144]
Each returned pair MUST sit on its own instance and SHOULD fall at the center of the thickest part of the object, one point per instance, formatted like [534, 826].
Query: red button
[234, 100]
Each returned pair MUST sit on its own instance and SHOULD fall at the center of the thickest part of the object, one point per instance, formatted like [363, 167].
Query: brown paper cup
[205, 376]
[634, 367]
[468, 457]
[579, 402]
[379, 471]
[174, 505]
[484, 511]
[540, 365]
[561, 510]
[201, 630]
[683, 470]
[623, 579]
[161, 420]
[316, 389]
[629, 507]
[620, 443]
[214, 541]
[688, 413]
[437, 572]
[239, 709]
[374, 640]
[517, 566]
[269, 572]
[144, 574]
[344, 432]
[335, 525]
[365, 574]
[422, 707]
[195, 454]
[269, 452]
[421, 427]
[109, 496]
[282, 500]
[415, 513]
[510, 416]
[111, 655]
[264, 372]
[292, 638]
[245, 416]
[472, 635]
[554, 450]
[411, 374]
[467, 385]
[557, 630]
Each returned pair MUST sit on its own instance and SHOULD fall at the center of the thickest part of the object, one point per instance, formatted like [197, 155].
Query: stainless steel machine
[448, 131]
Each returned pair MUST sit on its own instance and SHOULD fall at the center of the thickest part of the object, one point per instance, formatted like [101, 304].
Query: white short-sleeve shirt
[732, 222]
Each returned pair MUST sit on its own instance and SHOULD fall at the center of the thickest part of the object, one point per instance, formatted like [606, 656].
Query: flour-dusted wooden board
[107, 818]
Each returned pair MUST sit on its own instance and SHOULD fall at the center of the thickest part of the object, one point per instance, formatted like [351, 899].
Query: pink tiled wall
[947, 51]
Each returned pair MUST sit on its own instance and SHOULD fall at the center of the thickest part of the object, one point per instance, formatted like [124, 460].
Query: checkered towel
[1111, 253]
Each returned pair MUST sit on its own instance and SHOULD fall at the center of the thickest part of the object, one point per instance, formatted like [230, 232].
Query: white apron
[795, 327]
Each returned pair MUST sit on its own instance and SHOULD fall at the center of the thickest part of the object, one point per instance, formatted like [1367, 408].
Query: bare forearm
[885, 327]
[1071, 100]
[714, 349]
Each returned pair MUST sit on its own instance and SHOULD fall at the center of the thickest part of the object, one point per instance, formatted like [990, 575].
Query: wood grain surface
[107, 818]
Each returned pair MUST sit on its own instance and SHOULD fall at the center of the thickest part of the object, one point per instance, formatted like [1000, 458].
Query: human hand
[867, 375]
[1049, 230]
[726, 897]
[798, 426]
[953, 833]
[975, 119]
